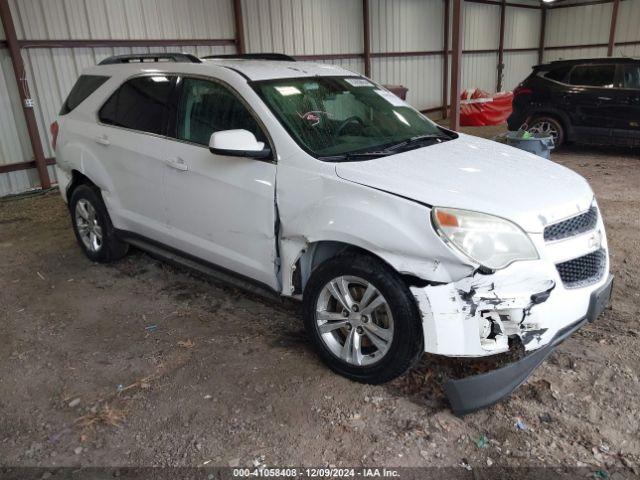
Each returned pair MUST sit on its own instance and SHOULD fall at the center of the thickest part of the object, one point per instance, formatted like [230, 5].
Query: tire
[380, 360]
[92, 226]
[549, 125]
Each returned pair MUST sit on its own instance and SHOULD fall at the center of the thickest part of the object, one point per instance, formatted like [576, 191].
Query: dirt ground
[142, 364]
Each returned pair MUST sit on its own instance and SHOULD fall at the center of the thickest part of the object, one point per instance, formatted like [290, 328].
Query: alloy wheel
[89, 229]
[546, 128]
[354, 320]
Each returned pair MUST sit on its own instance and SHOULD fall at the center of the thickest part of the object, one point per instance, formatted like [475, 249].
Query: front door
[220, 208]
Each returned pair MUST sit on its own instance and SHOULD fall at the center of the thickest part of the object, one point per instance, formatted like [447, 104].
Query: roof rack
[593, 60]
[151, 57]
[255, 56]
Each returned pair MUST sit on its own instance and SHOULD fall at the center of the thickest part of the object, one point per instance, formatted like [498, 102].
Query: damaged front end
[478, 315]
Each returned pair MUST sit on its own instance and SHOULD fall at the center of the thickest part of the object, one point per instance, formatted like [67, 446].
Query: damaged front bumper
[479, 391]
[478, 315]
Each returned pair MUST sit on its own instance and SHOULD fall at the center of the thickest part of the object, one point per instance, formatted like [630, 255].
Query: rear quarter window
[85, 86]
[558, 74]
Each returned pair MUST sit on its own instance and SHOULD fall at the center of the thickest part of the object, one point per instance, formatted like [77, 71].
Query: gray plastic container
[540, 146]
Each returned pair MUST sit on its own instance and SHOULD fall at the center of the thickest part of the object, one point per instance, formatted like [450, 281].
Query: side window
[631, 76]
[558, 74]
[85, 86]
[206, 107]
[141, 103]
[593, 75]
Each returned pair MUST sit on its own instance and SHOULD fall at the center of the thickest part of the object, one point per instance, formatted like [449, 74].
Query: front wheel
[362, 319]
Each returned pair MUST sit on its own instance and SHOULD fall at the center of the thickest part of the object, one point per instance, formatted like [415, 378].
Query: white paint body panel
[257, 218]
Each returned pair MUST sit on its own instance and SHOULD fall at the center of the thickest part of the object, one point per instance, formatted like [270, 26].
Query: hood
[481, 175]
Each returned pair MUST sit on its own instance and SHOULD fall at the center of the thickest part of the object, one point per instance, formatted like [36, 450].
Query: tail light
[54, 129]
[522, 91]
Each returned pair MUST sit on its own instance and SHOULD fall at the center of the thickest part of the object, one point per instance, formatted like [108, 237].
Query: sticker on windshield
[358, 82]
[391, 98]
[313, 118]
[286, 91]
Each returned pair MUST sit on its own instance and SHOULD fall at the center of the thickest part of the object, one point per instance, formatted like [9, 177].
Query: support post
[367, 37]
[543, 29]
[237, 15]
[445, 62]
[21, 80]
[503, 12]
[612, 30]
[456, 57]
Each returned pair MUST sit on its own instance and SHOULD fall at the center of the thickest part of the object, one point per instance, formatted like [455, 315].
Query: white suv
[399, 236]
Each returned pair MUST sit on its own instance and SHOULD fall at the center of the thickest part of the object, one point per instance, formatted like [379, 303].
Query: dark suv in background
[593, 101]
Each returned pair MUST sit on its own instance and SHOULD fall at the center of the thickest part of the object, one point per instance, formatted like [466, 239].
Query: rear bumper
[479, 391]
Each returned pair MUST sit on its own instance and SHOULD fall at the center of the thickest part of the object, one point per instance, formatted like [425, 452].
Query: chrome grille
[573, 226]
[583, 271]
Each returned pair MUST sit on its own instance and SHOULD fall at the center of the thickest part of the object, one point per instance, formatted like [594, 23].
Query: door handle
[177, 163]
[604, 99]
[103, 140]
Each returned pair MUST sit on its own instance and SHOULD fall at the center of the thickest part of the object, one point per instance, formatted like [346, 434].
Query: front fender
[398, 230]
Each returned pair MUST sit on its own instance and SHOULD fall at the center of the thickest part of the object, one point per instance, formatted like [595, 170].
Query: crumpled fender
[326, 208]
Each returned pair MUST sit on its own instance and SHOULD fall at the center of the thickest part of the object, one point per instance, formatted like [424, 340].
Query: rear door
[591, 100]
[132, 141]
[220, 208]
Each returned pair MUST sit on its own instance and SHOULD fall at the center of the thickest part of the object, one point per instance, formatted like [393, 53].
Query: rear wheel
[362, 319]
[92, 226]
[548, 126]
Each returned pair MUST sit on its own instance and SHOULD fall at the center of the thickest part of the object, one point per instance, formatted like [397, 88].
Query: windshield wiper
[417, 139]
[387, 149]
[356, 156]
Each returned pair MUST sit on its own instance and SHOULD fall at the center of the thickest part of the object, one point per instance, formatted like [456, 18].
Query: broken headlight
[493, 242]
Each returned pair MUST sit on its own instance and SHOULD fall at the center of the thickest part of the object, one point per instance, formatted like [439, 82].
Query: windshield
[332, 117]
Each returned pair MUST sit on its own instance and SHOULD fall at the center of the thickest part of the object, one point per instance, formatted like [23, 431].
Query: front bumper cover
[479, 391]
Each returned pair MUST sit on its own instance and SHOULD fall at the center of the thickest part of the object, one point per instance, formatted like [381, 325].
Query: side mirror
[237, 143]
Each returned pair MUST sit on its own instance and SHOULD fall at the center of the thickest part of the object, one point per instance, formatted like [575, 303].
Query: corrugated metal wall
[578, 25]
[409, 26]
[14, 139]
[521, 30]
[481, 31]
[122, 19]
[303, 27]
[306, 27]
[583, 25]
[628, 28]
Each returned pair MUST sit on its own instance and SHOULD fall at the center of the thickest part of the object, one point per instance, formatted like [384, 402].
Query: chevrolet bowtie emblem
[595, 240]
